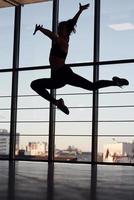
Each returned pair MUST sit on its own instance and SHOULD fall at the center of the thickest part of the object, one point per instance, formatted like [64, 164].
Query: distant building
[4, 142]
[66, 155]
[118, 152]
[36, 149]
[84, 156]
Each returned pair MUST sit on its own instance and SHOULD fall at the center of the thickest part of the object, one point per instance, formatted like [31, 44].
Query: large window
[28, 116]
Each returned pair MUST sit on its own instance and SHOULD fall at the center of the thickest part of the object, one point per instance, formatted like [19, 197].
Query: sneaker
[120, 81]
[62, 107]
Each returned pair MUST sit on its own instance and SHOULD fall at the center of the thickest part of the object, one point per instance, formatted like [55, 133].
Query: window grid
[95, 63]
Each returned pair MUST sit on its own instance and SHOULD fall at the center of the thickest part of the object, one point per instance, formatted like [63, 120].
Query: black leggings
[62, 77]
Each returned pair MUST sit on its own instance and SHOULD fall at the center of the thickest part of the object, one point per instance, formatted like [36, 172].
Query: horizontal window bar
[115, 135]
[97, 135]
[28, 135]
[122, 121]
[66, 135]
[89, 93]
[81, 121]
[5, 96]
[72, 107]
[81, 107]
[112, 163]
[123, 92]
[82, 93]
[83, 64]
[71, 94]
[71, 135]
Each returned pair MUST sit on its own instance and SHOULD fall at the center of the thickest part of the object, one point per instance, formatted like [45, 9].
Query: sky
[116, 42]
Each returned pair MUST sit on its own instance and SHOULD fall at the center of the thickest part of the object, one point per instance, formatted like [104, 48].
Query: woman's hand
[37, 27]
[84, 7]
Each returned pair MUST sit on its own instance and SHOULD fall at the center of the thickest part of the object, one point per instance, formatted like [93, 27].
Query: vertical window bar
[95, 78]
[51, 145]
[13, 117]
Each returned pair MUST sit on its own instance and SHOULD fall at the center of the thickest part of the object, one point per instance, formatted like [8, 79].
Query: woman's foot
[120, 81]
[62, 107]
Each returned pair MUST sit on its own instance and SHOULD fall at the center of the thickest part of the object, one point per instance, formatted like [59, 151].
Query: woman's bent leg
[40, 86]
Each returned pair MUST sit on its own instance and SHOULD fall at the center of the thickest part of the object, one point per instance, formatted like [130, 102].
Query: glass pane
[5, 106]
[76, 114]
[32, 147]
[32, 128]
[116, 149]
[117, 29]
[73, 148]
[25, 79]
[4, 115]
[73, 128]
[116, 104]
[116, 114]
[6, 84]
[6, 37]
[34, 115]
[118, 128]
[32, 107]
[81, 43]
[34, 50]
[4, 179]
[33, 110]
[107, 72]
[5, 98]
[4, 143]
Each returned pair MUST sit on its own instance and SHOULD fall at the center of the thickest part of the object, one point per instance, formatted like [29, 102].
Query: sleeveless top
[57, 51]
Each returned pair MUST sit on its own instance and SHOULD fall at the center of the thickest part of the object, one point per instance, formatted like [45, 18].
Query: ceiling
[9, 3]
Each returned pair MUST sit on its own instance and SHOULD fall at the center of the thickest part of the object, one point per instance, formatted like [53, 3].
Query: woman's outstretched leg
[78, 81]
[40, 86]
[116, 81]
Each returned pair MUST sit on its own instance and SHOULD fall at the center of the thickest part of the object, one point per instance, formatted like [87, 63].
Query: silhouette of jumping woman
[62, 74]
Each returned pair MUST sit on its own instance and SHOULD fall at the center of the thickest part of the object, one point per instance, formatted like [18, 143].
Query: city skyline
[117, 151]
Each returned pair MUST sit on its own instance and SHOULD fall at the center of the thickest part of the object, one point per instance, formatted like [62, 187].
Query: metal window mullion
[52, 114]
[95, 78]
[14, 91]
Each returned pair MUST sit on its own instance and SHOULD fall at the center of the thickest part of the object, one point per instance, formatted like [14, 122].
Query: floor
[43, 181]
